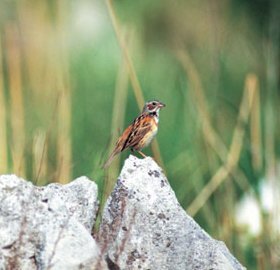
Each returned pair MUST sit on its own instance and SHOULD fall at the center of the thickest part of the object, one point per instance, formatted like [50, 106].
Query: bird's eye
[154, 103]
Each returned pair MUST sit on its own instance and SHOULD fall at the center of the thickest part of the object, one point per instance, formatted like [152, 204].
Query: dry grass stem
[64, 149]
[235, 148]
[271, 130]
[3, 130]
[36, 30]
[118, 117]
[255, 131]
[132, 73]
[16, 97]
[63, 139]
[211, 137]
[39, 150]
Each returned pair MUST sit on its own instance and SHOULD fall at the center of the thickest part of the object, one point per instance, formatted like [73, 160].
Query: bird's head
[153, 106]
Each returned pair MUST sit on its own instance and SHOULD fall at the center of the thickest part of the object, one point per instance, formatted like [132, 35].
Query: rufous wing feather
[142, 128]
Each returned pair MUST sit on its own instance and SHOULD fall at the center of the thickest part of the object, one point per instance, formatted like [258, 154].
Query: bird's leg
[142, 154]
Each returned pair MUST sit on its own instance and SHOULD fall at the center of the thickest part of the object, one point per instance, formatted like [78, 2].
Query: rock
[48, 227]
[144, 227]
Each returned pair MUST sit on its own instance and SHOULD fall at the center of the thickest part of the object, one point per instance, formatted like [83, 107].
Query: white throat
[157, 116]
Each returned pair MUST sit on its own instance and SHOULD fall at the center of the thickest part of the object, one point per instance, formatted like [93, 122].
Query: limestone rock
[47, 227]
[144, 227]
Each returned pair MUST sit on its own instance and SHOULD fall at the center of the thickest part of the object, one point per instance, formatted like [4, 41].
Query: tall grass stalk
[272, 171]
[37, 34]
[39, 153]
[235, 147]
[212, 138]
[131, 71]
[63, 140]
[17, 114]
[255, 132]
[118, 116]
[132, 74]
[3, 129]
[64, 155]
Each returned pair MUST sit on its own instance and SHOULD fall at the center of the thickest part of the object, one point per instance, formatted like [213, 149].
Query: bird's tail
[109, 160]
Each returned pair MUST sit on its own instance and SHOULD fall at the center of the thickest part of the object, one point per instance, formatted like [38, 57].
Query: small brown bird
[141, 132]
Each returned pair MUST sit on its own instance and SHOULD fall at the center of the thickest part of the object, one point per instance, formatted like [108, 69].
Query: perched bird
[141, 132]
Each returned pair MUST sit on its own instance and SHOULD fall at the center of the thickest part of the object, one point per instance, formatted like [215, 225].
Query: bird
[140, 133]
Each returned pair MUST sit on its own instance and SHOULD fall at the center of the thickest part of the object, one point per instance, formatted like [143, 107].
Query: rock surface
[144, 227]
[47, 227]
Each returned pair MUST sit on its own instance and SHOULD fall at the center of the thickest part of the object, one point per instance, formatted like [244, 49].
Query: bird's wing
[132, 135]
[141, 126]
[120, 145]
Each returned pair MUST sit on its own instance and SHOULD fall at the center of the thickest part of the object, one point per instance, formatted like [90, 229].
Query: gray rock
[47, 227]
[144, 227]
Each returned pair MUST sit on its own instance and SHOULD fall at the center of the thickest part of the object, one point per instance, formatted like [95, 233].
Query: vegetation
[73, 74]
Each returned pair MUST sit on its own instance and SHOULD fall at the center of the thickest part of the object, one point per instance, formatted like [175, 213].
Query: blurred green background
[73, 74]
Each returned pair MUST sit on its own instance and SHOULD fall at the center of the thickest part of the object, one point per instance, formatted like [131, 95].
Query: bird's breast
[150, 135]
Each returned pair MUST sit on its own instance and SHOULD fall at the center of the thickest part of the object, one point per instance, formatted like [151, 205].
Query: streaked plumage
[140, 133]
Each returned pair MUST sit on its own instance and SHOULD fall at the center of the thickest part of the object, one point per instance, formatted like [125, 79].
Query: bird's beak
[161, 105]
